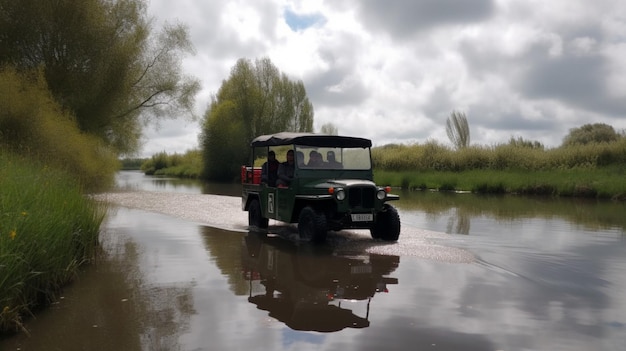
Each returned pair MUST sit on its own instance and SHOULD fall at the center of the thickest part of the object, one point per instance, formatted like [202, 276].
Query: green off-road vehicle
[332, 187]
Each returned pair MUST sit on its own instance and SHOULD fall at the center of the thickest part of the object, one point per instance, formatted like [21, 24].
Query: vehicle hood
[344, 183]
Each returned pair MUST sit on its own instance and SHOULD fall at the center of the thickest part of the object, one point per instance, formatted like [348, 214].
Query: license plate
[362, 217]
[361, 269]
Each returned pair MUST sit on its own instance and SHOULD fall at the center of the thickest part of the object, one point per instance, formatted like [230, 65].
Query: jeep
[332, 187]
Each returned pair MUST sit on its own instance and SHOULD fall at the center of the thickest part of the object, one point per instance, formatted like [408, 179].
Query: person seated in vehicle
[315, 160]
[269, 170]
[300, 159]
[286, 171]
[331, 162]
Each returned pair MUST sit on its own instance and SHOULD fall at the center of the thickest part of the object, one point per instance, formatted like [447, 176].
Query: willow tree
[256, 99]
[458, 130]
[102, 62]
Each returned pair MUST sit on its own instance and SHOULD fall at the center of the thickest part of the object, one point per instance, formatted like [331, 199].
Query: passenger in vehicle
[269, 170]
[300, 158]
[331, 162]
[286, 171]
[315, 159]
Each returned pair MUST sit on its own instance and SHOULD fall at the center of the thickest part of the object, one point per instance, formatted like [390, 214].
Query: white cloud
[393, 71]
[171, 136]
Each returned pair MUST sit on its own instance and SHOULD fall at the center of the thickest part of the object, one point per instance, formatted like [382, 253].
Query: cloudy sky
[393, 71]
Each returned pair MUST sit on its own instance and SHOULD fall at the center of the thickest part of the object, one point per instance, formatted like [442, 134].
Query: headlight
[381, 194]
[340, 194]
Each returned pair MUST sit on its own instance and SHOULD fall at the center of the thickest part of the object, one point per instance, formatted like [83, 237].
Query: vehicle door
[285, 199]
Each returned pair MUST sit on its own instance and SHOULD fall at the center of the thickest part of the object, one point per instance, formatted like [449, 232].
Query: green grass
[48, 228]
[604, 182]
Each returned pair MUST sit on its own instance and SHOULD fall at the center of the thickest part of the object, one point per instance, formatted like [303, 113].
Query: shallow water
[469, 272]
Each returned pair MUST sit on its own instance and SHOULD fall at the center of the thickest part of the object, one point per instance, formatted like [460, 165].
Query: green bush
[33, 125]
[156, 162]
[188, 165]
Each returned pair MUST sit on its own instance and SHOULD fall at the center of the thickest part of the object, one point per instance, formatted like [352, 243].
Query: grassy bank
[47, 230]
[433, 156]
[606, 182]
[591, 170]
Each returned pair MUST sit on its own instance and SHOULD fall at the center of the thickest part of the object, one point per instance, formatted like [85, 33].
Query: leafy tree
[330, 129]
[100, 62]
[256, 99]
[591, 133]
[458, 130]
[225, 145]
[34, 126]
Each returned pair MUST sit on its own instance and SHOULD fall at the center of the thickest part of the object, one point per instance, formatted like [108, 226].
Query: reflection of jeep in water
[332, 187]
[314, 290]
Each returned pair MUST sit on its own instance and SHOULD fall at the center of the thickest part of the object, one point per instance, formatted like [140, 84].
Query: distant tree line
[589, 146]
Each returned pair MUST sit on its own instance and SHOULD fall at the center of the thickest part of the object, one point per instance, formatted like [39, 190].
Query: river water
[180, 271]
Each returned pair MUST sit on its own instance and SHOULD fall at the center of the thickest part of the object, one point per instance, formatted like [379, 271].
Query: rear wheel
[312, 225]
[255, 217]
[387, 226]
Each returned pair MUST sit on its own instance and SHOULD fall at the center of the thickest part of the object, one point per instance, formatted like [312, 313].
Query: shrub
[187, 165]
[33, 125]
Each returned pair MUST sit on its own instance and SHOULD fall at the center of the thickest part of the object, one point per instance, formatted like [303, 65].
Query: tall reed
[48, 228]
[438, 157]
[592, 170]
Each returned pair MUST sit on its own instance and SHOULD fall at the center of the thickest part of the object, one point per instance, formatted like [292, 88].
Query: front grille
[361, 197]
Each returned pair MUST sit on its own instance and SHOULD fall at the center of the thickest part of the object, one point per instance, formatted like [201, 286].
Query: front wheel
[255, 217]
[312, 225]
[387, 226]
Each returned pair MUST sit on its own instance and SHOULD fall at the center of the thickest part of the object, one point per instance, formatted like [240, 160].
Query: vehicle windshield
[310, 157]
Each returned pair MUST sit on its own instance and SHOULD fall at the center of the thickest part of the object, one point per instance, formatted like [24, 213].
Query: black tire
[312, 225]
[255, 217]
[387, 226]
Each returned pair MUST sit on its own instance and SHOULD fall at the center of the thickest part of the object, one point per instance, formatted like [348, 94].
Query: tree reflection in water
[307, 287]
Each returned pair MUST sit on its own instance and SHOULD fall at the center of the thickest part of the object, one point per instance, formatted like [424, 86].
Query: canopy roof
[310, 139]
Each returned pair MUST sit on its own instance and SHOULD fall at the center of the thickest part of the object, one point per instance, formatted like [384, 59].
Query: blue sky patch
[291, 337]
[299, 22]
